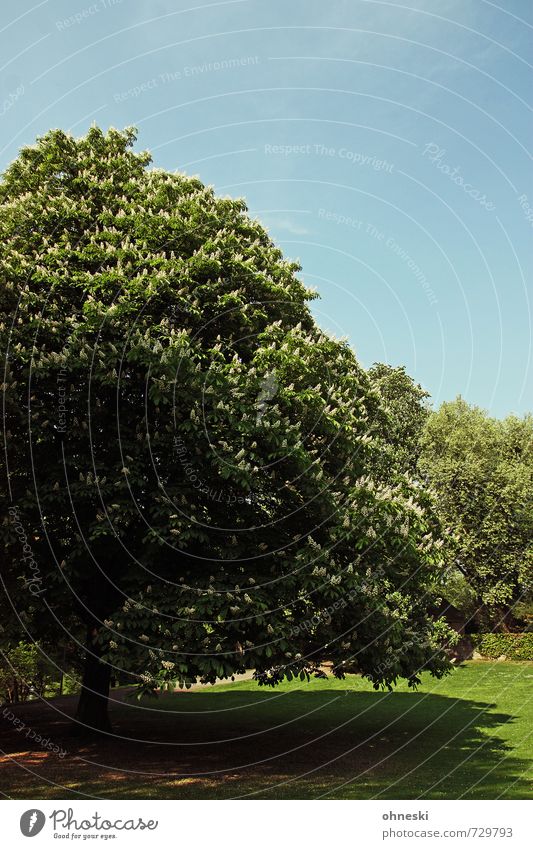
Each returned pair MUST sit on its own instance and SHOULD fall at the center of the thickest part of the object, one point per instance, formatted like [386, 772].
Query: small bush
[513, 646]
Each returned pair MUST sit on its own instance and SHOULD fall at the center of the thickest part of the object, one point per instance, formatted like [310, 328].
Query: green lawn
[468, 736]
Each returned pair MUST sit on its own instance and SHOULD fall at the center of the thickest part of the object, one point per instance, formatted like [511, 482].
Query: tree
[482, 471]
[194, 468]
[406, 412]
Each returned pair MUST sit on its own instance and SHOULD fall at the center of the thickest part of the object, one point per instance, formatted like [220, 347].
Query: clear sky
[386, 145]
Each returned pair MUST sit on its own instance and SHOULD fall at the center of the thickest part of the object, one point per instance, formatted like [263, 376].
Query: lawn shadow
[273, 744]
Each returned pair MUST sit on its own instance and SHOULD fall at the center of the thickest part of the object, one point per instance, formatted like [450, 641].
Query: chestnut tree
[193, 470]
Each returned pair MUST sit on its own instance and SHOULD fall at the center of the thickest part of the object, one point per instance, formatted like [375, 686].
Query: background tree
[23, 671]
[406, 410]
[195, 468]
[482, 471]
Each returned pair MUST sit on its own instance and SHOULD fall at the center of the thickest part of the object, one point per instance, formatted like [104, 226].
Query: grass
[468, 736]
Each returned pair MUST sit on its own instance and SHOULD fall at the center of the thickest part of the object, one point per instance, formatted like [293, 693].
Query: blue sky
[385, 145]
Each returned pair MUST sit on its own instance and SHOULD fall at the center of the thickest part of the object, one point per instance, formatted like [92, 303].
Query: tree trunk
[92, 714]
[62, 671]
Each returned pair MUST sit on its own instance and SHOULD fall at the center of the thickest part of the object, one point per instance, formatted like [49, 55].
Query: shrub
[513, 646]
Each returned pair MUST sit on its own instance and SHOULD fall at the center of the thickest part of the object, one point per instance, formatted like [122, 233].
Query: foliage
[511, 646]
[523, 614]
[407, 410]
[482, 472]
[23, 671]
[457, 591]
[196, 468]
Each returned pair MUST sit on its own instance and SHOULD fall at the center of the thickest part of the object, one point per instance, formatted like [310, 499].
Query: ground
[467, 736]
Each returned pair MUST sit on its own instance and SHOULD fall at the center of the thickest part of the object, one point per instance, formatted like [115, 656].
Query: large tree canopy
[194, 467]
[482, 471]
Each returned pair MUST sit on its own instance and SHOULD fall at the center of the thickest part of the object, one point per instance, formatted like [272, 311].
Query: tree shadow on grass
[273, 744]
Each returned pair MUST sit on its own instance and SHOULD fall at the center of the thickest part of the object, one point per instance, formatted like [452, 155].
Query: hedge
[513, 646]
